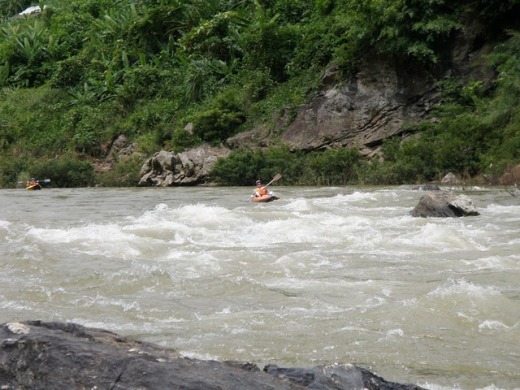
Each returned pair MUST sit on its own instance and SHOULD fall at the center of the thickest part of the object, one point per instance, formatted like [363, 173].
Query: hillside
[327, 91]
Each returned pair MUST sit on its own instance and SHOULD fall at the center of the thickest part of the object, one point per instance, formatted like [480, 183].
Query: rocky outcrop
[119, 150]
[53, 355]
[187, 168]
[381, 100]
[370, 107]
[444, 204]
[359, 112]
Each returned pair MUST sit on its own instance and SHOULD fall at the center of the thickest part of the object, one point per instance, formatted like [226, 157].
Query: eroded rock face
[362, 112]
[444, 204]
[187, 168]
[54, 355]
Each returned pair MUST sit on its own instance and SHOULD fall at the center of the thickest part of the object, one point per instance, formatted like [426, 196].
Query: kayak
[31, 185]
[265, 198]
[34, 187]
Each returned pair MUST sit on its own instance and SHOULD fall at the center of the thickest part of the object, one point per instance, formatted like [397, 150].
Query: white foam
[4, 224]
[492, 324]
[497, 263]
[463, 287]
[300, 205]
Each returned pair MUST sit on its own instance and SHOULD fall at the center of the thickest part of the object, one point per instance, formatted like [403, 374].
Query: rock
[54, 355]
[362, 111]
[335, 376]
[450, 178]
[258, 137]
[381, 100]
[444, 204]
[359, 112]
[118, 150]
[187, 168]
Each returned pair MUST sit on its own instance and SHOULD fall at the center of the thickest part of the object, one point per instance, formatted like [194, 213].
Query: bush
[240, 168]
[334, 166]
[221, 120]
[69, 72]
[66, 171]
[10, 170]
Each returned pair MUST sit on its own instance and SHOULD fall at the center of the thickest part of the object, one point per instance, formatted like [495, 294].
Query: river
[323, 275]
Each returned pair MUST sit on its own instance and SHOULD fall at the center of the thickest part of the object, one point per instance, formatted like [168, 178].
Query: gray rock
[444, 204]
[450, 178]
[364, 110]
[54, 355]
[191, 167]
[359, 112]
[335, 376]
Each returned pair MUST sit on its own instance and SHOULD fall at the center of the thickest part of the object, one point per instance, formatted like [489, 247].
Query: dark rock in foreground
[53, 355]
[444, 204]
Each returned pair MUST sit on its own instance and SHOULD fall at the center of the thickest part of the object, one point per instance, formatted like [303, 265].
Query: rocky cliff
[382, 100]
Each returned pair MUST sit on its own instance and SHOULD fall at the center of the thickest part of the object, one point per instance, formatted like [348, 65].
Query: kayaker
[260, 190]
[32, 182]
[262, 194]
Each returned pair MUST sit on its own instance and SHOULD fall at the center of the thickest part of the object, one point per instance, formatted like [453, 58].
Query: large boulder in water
[444, 204]
[53, 355]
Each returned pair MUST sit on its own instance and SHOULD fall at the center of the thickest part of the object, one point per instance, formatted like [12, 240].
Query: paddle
[45, 181]
[276, 177]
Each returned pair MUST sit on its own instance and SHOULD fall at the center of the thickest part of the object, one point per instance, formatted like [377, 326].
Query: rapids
[326, 274]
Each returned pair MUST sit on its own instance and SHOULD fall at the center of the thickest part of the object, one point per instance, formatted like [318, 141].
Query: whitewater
[323, 275]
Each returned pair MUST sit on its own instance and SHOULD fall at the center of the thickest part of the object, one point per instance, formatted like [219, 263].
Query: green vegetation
[86, 71]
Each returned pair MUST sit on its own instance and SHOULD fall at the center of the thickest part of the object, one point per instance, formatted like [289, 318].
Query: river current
[323, 275]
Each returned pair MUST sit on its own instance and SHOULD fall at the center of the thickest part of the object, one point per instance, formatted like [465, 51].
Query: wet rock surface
[55, 355]
[444, 204]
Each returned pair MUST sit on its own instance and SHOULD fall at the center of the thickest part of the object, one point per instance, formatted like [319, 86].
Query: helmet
[258, 182]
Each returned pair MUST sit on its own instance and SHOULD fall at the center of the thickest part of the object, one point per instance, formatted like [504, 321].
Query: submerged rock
[444, 204]
[54, 355]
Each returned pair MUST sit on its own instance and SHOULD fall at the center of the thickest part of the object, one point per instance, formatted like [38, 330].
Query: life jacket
[261, 191]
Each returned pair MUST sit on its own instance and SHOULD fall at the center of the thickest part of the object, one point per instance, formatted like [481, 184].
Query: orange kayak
[33, 187]
[265, 198]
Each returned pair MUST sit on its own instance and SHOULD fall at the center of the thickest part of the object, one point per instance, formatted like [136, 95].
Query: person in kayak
[262, 194]
[260, 190]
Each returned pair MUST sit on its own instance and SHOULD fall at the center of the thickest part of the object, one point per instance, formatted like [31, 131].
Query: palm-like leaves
[9, 8]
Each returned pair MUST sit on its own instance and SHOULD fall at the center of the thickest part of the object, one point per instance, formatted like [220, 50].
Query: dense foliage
[85, 71]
